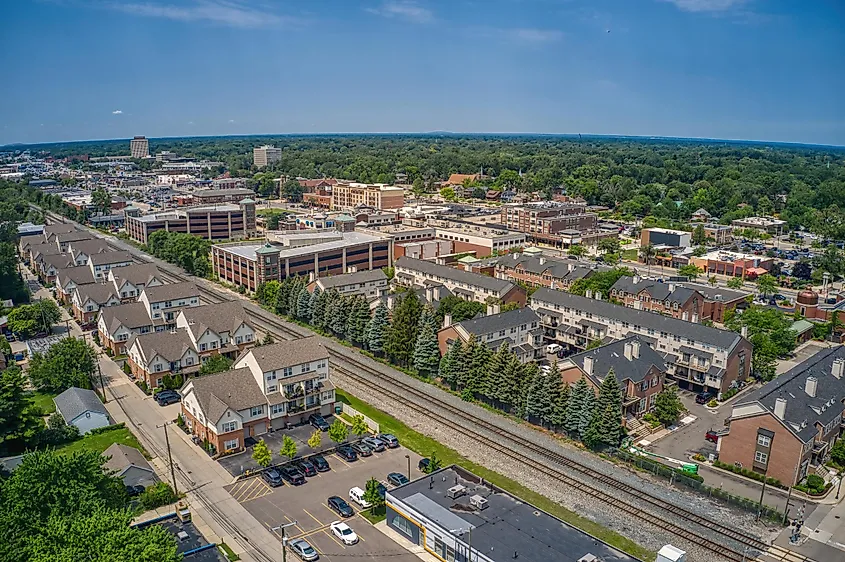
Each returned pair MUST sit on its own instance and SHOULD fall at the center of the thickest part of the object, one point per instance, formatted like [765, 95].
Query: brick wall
[741, 443]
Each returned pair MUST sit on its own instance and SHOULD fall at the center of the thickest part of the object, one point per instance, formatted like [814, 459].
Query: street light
[281, 530]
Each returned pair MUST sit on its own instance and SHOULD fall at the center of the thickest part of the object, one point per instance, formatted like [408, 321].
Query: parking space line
[246, 490]
[320, 523]
[331, 536]
[296, 526]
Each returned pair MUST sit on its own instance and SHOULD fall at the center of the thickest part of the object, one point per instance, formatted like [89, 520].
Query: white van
[356, 494]
[553, 348]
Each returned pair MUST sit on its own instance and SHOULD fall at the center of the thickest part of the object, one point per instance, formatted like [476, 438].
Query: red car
[712, 436]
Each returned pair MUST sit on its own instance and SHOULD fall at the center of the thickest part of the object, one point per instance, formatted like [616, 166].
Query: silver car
[305, 551]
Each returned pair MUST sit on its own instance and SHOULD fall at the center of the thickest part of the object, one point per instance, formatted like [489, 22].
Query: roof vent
[456, 491]
[478, 502]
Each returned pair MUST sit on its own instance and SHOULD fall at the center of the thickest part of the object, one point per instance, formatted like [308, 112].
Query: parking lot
[306, 505]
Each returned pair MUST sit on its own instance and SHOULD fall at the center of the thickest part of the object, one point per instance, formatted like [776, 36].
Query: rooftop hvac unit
[456, 491]
[478, 502]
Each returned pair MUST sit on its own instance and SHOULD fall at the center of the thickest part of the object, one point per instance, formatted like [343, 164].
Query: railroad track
[731, 543]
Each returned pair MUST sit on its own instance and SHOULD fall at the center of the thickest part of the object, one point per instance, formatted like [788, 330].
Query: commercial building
[318, 254]
[720, 234]
[464, 284]
[212, 222]
[139, 147]
[265, 155]
[457, 516]
[787, 428]
[559, 224]
[698, 357]
[732, 264]
[269, 387]
[221, 195]
[809, 305]
[519, 329]
[769, 225]
[379, 196]
[665, 237]
[370, 284]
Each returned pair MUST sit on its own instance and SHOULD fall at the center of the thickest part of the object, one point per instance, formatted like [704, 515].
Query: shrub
[815, 483]
[729, 394]
[712, 403]
[58, 432]
[698, 457]
[126, 368]
[748, 473]
[157, 495]
[107, 428]
[143, 386]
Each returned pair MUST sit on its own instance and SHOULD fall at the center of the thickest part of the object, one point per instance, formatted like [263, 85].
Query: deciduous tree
[338, 431]
[70, 362]
[288, 447]
[261, 454]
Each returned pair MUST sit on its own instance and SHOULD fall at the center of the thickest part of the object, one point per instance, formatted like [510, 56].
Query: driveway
[802, 353]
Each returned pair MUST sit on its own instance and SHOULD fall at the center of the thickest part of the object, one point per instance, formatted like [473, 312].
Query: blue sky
[738, 69]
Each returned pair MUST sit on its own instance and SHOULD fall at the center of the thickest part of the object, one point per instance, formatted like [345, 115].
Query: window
[256, 411]
[654, 382]
[286, 372]
[203, 347]
[764, 440]
[272, 388]
[231, 444]
[277, 409]
[402, 525]
[304, 367]
[158, 368]
[271, 376]
[761, 457]
[229, 426]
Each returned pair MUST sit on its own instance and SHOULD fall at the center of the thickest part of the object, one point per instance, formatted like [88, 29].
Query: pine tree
[534, 398]
[426, 351]
[478, 365]
[592, 435]
[293, 299]
[359, 319]
[283, 296]
[377, 329]
[303, 305]
[560, 406]
[448, 362]
[572, 418]
[317, 303]
[588, 408]
[428, 318]
[508, 387]
[464, 366]
[340, 316]
[525, 376]
[610, 405]
[403, 331]
[493, 375]
[331, 298]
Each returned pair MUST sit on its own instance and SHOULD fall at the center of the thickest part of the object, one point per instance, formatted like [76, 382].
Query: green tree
[402, 333]
[459, 308]
[377, 329]
[316, 439]
[609, 406]
[609, 245]
[338, 431]
[215, 364]
[292, 191]
[288, 447]
[29, 319]
[261, 454]
[433, 465]
[735, 283]
[600, 281]
[19, 422]
[667, 407]
[373, 497]
[426, 352]
[713, 281]
[101, 200]
[479, 358]
[316, 306]
[576, 250]
[837, 453]
[691, 271]
[303, 306]
[588, 408]
[572, 418]
[359, 425]
[448, 194]
[699, 237]
[768, 331]
[358, 321]
[766, 285]
[157, 495]
[647, 254]
[70, 362]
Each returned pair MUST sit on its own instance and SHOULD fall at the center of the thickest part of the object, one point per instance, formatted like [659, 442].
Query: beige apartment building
[266, 155]
[378, 196]
[139, 147]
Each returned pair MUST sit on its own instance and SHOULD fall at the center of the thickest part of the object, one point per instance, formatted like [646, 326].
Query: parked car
[553, 348]
[382, 489]
[347, 453]
[711, 436]
[319, 422]
[343, 532]
[703, 397]
[423, 464]
[321, 464]
[307, 468]
[272, 477]
[388, 439]
[376, 445]
[356, 494]
[293, 476]
[303, 550]
[397, 479]
[166, 397]
[339, 505]
[362, 449]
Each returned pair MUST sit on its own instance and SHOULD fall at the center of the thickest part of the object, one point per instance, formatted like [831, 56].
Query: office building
[665, 237]
[559, 224]
[212, 222]
[266, 155]
[346, 196]
[139, 147]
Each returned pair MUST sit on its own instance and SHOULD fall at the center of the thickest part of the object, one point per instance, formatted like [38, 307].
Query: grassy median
[424, 446]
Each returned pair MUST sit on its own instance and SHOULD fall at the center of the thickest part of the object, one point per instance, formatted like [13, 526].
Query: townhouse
[536, 270]
[698, 357]
[101, 264]
[130, 280]
[34, 253]
[787, 428]
[68, 279]
[368, 284]
[464, 284]
[640, 370]
[155, 355]
[52, 230]
[221, 328]
[270, 387]
[671, 299]
[165, 301]
[81, 250]
[117, 324]
[87, 300]
[519, 329]
[63, 239]
[49, 265]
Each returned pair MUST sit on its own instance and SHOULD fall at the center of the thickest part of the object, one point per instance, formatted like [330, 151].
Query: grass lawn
[630, 255]
[102, 441]
[44, 402]
[228, 551]
[373, 518]
[424, 446]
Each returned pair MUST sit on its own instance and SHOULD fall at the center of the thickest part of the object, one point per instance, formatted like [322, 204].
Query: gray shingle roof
[171, 346]
[59, 261]
[368, 276]
[235, 389]
[568, 270]
[456, 275]
[99, 293]
[612, 356]
[171, 291]
[73, 236]
[603, 309]
[801, 408]
[88, 247]
[288, 353]
[80, 275]
[220, 317]
[123, 456]
[59, 228]
[110, 257]
[75, 401]
[497, 322]
[668, 292]
[711, 293]
[131, 316]
[137, 273]
[44, 249]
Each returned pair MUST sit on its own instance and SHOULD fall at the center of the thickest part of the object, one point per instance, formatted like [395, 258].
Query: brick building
[671, 299]
[213, 222]
[519, 329]
[538, 270]
[378, 196]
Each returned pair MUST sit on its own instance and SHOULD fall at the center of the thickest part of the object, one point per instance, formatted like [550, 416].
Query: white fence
[352, 412]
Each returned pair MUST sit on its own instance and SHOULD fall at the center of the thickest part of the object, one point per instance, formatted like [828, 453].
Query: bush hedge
[748, 473]
[157, 495]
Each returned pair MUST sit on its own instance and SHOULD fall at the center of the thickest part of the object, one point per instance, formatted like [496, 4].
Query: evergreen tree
[293, 299]
[283, 296]
[560, 406]
[508, 387]
[426, 351]
[429, 317]
[525, 376]
[452, 363]
[403, 330]
[534, 397]
[588, 407]
[463, 367]
[610, 407]
[572, 418]
[478, 365]
[592, 435]
[356, 324]
[493, 375]
[377, 329]
[339, 316]
[553, 388]
[303, 305]
[331, 297]
[316, 306]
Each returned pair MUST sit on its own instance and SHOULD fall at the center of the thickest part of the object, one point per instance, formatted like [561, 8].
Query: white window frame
[764, 440]
[761, 458]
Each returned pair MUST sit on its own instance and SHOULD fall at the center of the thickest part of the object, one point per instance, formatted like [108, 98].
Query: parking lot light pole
[281, 529]
[408, 458]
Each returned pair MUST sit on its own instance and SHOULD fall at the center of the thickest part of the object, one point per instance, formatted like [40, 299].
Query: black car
[321, 464]
[272, 477]
[703, 397]
[389, 440]
[166, 397]
[382, 489]
[339, 505]
[307, 468]
[423, 465]
[319, 422]
[347, 453]
[293, 476]
[362, 449]
[397, 479]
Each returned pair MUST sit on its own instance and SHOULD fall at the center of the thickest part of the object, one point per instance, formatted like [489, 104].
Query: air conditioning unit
[456, 491]
[478, 502]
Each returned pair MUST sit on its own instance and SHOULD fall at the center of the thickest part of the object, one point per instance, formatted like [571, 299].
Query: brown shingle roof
[288, 353]
[80, 275]
[100, 293]
[124, 456]
[74, 236]
[235, 389]
[137, 273]
[88, 247]
[110, 257]
[59, 261]
[221, 317]
[131, 316]
[171, 291]
[169, 345]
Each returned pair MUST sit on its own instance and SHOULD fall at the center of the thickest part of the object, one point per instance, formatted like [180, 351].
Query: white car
[342, 531]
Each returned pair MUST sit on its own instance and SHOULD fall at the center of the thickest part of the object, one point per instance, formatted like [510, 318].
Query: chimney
[588, 365]
[629, 351]
[636, 279]
[310, 276]
[744, 332]
[447, 320]
[598, 295]
[671, 287]
[780, 407]
[838, 367]
[542, 260]
[493, 309]
[389, 302]
[810, 386]
[589, 293]
[635, 349]
[429, 294]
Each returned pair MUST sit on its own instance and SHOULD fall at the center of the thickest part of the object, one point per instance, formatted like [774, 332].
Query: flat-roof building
[212, 222]
[378, 196]
[265, 155]
[665, 237]
[139, 147]
[764, 224]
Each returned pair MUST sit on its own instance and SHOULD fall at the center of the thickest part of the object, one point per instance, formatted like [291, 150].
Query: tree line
[185, 250]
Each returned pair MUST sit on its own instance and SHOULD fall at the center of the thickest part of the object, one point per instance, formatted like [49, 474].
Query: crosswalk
[250, 489]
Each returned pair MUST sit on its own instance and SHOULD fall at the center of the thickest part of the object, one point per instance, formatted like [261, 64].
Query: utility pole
[281, 529]
[786, 507]
[169, 456]
[102, 384]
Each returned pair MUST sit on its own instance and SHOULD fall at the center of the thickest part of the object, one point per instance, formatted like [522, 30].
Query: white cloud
[534, 35]
[234, 13]
[706, 5]
[403, 9]
[231, 120]
[116, 112]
